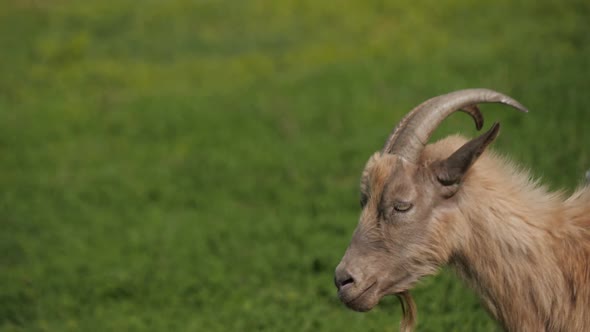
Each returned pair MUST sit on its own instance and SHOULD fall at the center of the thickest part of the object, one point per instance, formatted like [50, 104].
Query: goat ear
[450, 172]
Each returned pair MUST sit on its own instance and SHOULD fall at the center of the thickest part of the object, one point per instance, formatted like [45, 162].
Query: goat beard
[409, 311]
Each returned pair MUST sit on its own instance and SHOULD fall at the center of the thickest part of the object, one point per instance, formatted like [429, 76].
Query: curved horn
[412, 133]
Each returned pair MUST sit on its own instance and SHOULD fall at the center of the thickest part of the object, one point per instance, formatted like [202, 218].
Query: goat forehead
[387, 178]
[399, 187]
[392, 172]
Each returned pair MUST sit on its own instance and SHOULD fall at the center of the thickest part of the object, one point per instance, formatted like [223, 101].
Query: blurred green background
[194, 165]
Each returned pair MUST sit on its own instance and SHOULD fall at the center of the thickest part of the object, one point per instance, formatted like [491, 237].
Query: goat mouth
[356, 303]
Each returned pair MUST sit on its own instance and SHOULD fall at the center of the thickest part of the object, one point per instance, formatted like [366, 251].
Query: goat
[524, 250]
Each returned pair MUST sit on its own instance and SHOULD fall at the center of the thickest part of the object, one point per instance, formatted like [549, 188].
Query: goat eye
[364, 200]
[402, 206]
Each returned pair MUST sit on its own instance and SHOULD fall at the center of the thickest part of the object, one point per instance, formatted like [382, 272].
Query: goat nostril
[343, 280]
[346, 282]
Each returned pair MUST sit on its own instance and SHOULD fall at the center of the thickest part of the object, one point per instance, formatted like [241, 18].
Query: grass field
[193, 165]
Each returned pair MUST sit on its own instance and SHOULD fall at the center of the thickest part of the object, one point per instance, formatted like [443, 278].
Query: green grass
[193, 165]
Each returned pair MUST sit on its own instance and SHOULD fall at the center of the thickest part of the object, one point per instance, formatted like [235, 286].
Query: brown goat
[524, 250]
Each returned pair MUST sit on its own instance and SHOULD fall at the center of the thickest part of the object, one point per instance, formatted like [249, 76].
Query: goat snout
[342, 278]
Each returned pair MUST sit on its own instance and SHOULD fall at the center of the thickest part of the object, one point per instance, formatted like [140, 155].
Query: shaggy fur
[525, 251]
